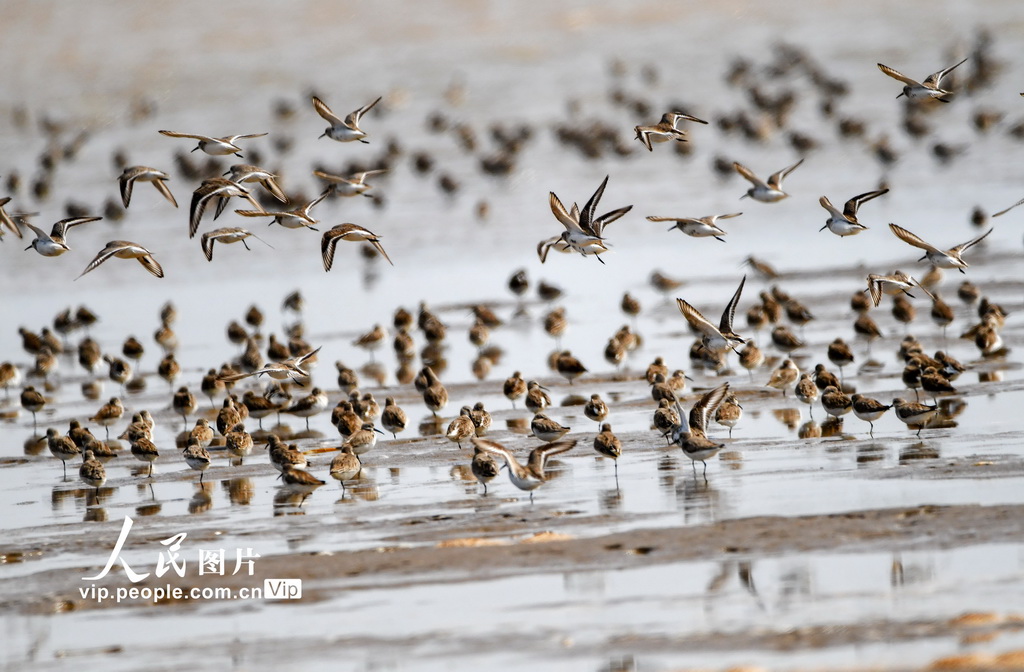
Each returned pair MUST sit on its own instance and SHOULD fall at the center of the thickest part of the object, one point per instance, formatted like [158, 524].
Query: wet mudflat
[810, 544]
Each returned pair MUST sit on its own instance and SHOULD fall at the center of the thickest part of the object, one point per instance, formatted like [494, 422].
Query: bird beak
[378, 430]
[822, 228]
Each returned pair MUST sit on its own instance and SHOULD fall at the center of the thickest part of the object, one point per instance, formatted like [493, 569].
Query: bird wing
[933, 80]
[705, 409]
[539, 456]
[561, 214]
[776, 178]
[587, 214]
[494, 448]
[35, 229]
[963, 247]
[352, 120]
[207, 243]
[676, 117]
[696, 320]
[725, 326]
[609, 217]
[328, 243]
[231, 138]
[61, 227]
[850, 209]
[1003, 212]
[747, 175]
[644, 136]
[106, 253]
[897, 75]
[912, 239]
[325, 112]
[161, 187]
[174, 134]
[126, 181]
[151, 265]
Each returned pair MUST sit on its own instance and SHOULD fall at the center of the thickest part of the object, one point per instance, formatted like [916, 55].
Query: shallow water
[518, 65]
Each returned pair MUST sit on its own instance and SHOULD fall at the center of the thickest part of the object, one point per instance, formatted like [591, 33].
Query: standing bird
[343, 130]
[197, 457]
[61, 447]
[308, 406]
[845, 223]
[184, 402]
[930, 88]
[108, 414]
[345, 466]
[461, 427]
[215, 146]
[546, 429]
[807, 392]
[784, 376]
[435, 395]
[483, 467]
[869, 410]
[133, 174]
[537, 398]
[393, 417]
[950, 258]
[914, 414]
[607, 444]
[766, 192]
[123, 249]
[92, 471]
[716, 339]
[729, 413]
[531, 476]
[692, 437]
[352, 233]
[55, 244]
[514, 387]
[596, 409]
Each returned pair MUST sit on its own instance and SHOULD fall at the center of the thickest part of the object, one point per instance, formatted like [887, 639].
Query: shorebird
[215, 188]
[393, 418]
[349, 232]
[546, 429]
[345, 466]
[92, 471]
[766, 192]
[665, 129]
[244, 172]
[227, 235]
[584, 230]
[483, 467]
[951, 258]
[531, 476]
[61, 447]
[929, 88]
[895, 283]
[701, 227]
[351, 185]
[299, 218]
[55, 244]
[124, 249]
[215, 146]
[914, 414]
[197, 457]
[845, 223]
[692, 437]
[288, 369]
[869, 410]
[716, 339]
[133, 174]
[343, 130]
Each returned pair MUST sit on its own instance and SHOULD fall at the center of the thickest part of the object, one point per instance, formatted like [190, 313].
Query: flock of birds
[288, 365]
